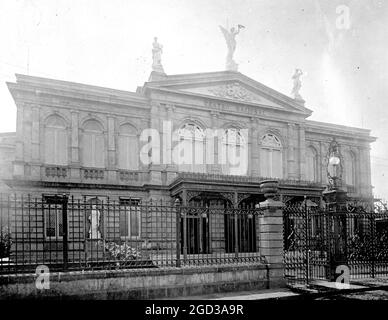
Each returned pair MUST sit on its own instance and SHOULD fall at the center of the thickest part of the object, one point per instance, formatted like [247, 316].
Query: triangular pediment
[230, 86]
[232, 90]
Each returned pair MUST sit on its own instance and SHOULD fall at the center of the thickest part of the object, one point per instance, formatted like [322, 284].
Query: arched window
[56, 141]
[350, 168]
[93, 145]
[128, 148]
[191, 150]
[233, 157]
[312, 164]
[271, 156]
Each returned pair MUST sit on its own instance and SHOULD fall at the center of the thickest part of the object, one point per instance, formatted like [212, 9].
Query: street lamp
[335, 199]
[334, 196]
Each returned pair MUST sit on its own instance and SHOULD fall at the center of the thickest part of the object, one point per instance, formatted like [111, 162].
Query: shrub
[123, 252]
[5, 242]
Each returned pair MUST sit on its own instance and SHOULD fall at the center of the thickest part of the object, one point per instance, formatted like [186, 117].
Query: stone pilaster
[167, 144]
[155, 173]
[18, 165]
[215, 167]
[292, 174]
[27, 133]
[302, 152]
[35, 142]
[254, 164]
[35, 134]
[111, 143]
[74, 138]
[111, 167]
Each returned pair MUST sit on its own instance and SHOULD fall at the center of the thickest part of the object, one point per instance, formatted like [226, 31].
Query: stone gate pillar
[271, 233]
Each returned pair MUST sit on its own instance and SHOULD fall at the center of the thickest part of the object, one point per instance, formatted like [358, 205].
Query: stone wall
[145, 283]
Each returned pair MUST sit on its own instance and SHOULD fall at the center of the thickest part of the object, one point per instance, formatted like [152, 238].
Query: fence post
[306, 232]
[178, 229]
[65, 232]
[372, 226]
[235, 216]
[271, 234]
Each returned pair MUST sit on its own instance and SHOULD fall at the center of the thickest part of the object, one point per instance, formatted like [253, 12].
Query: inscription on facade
[226, 107]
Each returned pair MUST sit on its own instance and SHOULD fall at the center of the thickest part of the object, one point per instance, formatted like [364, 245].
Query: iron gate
[316, 242]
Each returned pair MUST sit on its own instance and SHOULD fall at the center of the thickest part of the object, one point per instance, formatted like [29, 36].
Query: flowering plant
[123, 252]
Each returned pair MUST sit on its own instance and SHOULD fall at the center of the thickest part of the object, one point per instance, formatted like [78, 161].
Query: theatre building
[90, 143]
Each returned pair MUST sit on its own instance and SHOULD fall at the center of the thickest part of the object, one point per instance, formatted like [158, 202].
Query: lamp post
[335, 199]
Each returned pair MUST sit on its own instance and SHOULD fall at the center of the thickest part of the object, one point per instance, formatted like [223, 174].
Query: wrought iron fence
[316, 241]
[68, 233]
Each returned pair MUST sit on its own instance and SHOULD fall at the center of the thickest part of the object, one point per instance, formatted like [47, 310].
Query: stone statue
[230, 37]
[94, 220]
[297, 84]
[157, 50]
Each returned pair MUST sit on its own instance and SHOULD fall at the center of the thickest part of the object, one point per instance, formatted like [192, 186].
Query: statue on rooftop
[230, 38]
[157, 50]
[297, 84]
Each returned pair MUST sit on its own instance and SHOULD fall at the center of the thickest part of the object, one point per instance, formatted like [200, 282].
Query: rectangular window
[53, 222]
[130, 219]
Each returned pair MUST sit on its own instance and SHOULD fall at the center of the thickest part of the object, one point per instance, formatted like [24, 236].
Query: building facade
[93, 142]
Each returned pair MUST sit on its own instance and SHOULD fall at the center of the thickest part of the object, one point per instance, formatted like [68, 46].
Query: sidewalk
[246, 295]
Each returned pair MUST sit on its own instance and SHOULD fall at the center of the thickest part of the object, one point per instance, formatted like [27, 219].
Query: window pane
[99, 151]
[133, 153]
[49, 146]
[124, 222]
[265, 163]
[123, 152]
[53, 221]
[276, 164]
[61, 147]
[87, 147]
[135, 223]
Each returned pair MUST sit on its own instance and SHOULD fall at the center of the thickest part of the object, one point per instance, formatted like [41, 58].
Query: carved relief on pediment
[232, 91]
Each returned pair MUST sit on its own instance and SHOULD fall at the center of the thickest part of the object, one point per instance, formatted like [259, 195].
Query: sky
[341, 46]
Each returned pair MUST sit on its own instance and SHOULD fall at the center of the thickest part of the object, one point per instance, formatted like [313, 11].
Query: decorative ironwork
[244, 179]
[242, 196]
[121, 234]
[228, 196]
[192, 194]
[316, 241]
